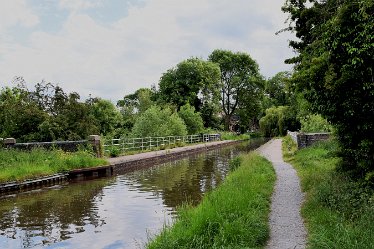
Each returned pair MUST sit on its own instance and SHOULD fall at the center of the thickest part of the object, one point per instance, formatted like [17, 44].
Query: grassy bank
[18, 165]
[226, 135]
[235, 215]
[339, 211]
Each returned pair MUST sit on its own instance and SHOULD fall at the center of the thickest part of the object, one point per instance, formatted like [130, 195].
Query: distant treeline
[224, 92]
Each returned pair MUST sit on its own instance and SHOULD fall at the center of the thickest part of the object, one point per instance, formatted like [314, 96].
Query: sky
[111, 48]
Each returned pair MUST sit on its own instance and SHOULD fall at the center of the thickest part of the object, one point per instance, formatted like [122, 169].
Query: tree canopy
[239, 76]
[334, 71]
[193, 81]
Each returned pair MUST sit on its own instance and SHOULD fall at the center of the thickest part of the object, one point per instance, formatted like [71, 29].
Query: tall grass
[339, 210]
[235, 215]
[18, 165]
[226, 135]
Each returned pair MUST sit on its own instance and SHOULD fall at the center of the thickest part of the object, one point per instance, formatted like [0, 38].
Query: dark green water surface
[116, 212]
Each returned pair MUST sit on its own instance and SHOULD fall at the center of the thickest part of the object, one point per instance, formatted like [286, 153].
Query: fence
[93, 140]
[149, 143]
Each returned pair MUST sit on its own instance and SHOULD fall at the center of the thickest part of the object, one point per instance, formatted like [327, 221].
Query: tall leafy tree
[195, 82]
[276, 89]
[334, 71]
[239, 75]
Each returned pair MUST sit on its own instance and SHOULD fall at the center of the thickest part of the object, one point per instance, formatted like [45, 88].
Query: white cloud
[76, 5]
[116, 59]
[16, 12]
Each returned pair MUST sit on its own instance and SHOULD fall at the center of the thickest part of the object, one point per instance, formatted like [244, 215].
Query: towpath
[287, 230]
[177, 150]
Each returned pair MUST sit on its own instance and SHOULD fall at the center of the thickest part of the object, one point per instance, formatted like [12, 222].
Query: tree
[132, 105]
[138, 102]
[156, 122]
[107, 116]
[276, 89]
[334, 71]
[239, 74]
[277, 121]
[45, 114]
[192, 119]
[195, 82]
[19, 117]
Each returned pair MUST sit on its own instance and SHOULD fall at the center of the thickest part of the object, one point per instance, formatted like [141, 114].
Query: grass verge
[235, 215]
[18, 165]
[226, 135]
[339, 210]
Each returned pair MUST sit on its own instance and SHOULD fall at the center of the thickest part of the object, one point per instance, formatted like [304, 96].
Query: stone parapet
[306, 139]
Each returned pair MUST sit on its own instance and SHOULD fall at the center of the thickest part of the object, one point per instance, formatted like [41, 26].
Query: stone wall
[306, 139]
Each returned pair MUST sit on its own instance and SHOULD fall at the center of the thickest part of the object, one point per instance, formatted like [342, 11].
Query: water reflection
[118, 212]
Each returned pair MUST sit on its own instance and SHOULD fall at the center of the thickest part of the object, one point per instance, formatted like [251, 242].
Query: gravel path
[286, 225]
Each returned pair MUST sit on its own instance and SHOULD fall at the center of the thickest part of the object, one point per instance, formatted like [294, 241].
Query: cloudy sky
[110, 48]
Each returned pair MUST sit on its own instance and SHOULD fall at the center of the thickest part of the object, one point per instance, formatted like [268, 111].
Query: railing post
[94, 140]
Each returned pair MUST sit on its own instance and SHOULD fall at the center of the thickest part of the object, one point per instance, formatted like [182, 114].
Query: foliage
[289, 148]
[195, 82]
[333, 70]
[240, 80]
[250, 110]
[339, 209]
[228, 135]
[315, 123]
[277, 121]
[19, 117]
[132, 105]
[140, 101]
[18, 165]
[235, 215]
[277, 90]
[44, 114]
[192, 119]
[157, 122]
[107, 116]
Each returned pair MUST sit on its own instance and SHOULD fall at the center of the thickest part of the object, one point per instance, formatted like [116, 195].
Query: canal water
[117, 212]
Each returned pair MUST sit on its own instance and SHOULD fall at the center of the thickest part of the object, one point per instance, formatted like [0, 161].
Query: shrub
[159, 122]
[315, 123]
[192, 119]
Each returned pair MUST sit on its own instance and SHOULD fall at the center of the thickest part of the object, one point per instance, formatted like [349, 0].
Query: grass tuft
[235, 215]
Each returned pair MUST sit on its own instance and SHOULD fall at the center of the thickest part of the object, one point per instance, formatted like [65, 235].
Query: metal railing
[123, 145]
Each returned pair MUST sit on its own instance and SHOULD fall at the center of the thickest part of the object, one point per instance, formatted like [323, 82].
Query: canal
[115, 212]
